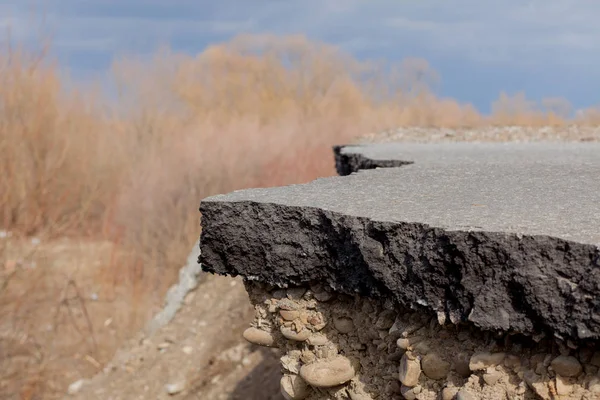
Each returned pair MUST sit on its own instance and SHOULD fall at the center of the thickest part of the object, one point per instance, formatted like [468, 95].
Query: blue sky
[479, 47]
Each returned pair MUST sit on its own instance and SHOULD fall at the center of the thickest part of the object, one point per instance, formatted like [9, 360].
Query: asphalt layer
[505, 236]
[357, 157]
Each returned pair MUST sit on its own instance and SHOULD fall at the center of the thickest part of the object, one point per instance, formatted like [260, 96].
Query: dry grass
[256, 111]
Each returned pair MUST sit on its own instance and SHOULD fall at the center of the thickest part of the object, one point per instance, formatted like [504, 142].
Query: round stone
[291, 334]
[258, 337]
[410, 371]
[329, 372]
[323, 296]
[317, 340]
[403, 343]
[434, 367]
[296, 293]
[289, 315]
[566, 366]
[343, 324]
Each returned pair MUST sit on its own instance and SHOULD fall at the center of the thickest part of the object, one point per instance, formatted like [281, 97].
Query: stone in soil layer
[369, 362]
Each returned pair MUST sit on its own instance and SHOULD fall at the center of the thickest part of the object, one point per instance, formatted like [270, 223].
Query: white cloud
[509, 31]
[521, 32]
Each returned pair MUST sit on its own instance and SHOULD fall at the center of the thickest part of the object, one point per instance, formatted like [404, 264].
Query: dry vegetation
[122, 177]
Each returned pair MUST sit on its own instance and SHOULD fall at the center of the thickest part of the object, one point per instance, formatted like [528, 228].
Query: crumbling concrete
[189, 277]
[500, 238]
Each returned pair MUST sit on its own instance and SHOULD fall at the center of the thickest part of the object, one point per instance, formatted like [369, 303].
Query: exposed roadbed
[504, 236]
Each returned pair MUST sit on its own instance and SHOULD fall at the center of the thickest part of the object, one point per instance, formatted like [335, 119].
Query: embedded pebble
[291, 334]
[410, 371]
[484, 360]
[396, 345]
[175, 388]
[343, 324]
[317, 340]
[258, 337]
[328, 372]
[76, 386]
[403, 343]
[323, 296]
[289, 315]
[296, 293]
[163, 345]
[566, 366]
[294, 387]
[434, 367]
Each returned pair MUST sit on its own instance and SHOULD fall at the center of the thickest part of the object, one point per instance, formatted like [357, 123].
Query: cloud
[507, 31]
[497, 31]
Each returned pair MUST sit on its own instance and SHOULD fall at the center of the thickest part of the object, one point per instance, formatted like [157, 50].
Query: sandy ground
[62, 323]
[58, 320]
[199, 355]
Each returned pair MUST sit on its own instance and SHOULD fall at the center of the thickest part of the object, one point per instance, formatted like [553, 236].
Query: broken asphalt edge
[498, 281]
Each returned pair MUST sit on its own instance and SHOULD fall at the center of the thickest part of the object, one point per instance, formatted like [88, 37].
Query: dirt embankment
[335, 346]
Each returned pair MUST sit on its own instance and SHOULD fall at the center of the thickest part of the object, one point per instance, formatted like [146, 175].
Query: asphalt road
[530, 188]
